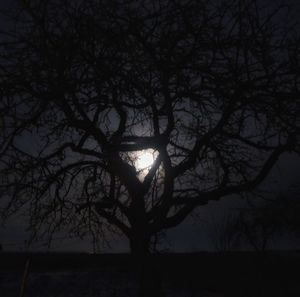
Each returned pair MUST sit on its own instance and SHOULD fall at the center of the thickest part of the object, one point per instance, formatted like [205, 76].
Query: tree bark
[148, 275]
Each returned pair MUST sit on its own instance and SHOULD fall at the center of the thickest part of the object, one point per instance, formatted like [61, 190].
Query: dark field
[242, 274]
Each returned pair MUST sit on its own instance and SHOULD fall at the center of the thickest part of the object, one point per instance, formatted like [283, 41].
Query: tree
[289, 203]
[259, 226]
[265, 220]
[210, 89]
[224, 233]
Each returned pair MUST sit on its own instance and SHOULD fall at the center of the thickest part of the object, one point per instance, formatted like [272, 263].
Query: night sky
[192, 235]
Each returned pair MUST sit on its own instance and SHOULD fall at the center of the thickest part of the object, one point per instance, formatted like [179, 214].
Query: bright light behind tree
[144, 160]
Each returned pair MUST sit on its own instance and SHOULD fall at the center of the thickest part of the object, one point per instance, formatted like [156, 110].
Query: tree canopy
[209, 88]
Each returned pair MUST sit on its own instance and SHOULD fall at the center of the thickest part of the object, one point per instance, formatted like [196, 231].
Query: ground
[182, 275]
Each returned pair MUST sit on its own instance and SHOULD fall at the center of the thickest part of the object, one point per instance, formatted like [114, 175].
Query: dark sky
[193, 234]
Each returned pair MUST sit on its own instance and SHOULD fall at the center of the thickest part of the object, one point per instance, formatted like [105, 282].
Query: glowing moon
[144, 160]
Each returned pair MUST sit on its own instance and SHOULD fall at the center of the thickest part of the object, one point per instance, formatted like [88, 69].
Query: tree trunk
[147, 272]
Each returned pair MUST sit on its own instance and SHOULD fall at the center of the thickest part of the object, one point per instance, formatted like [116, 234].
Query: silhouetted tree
[286, 208]
[289, 203]
[210, 88]
[266, 220]
[259, 226]
[224, 233]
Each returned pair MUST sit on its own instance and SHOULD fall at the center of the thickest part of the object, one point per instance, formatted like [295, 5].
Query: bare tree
[210, 89]
[259, 226]
[264, 221]
[289, 204]
[224, 233]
